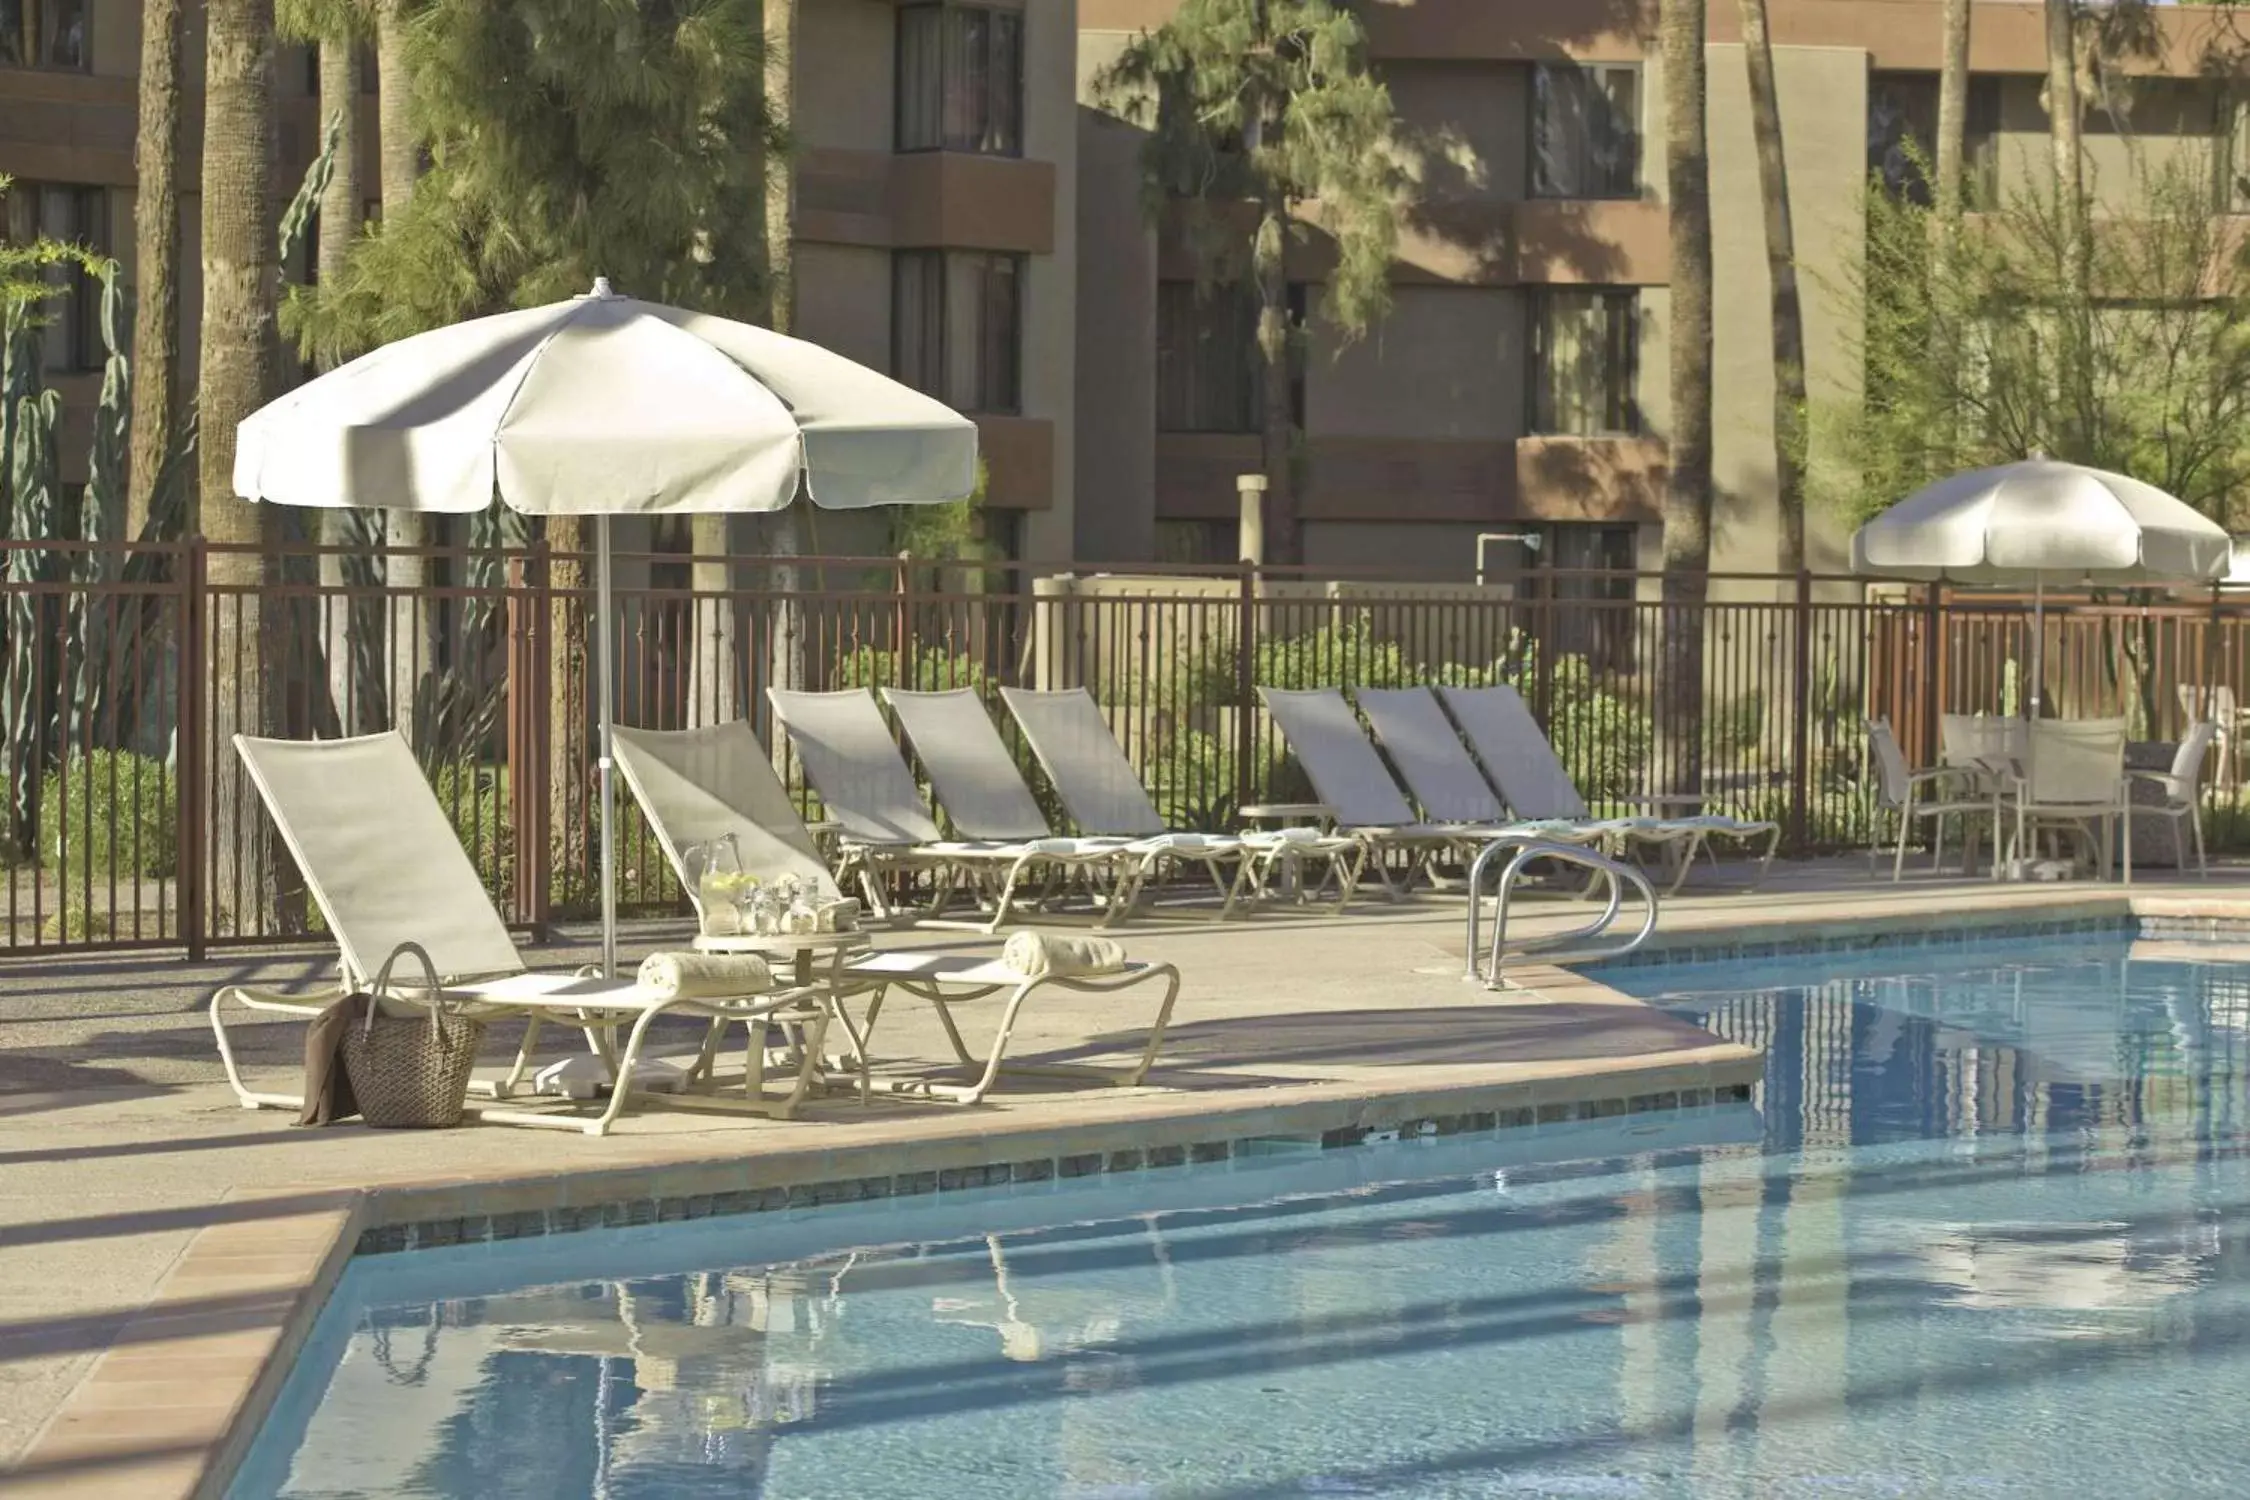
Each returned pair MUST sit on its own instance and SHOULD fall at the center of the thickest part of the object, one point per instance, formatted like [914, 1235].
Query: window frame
[1537, 385]
[77, 312]
[85, 63]
[988, 396]
[1534, 126]
[944, 11]
[1297, 306]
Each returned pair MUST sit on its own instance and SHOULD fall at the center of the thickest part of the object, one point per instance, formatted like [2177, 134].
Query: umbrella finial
[601, 288]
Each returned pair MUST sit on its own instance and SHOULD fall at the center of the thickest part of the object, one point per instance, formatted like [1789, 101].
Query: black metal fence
[127, 672]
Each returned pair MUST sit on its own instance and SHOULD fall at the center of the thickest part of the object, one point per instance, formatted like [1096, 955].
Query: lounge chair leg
[525, 1051]
[249, 1098]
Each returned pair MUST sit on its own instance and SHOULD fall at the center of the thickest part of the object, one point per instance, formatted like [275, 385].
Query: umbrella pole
[605, 683]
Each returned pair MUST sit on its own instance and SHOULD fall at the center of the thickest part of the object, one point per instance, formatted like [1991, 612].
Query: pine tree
[1269, 106]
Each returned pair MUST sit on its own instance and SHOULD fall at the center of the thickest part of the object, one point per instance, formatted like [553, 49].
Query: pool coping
[195, 1371]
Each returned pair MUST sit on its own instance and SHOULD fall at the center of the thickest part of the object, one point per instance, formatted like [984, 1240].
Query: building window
[72, 337]
[1210, 375]
[1585, 131]
[1591, 581]
[960, 79]
[957, 327]
[1585, 351]
[44, 33]
[1198, 543]
[1902, 137]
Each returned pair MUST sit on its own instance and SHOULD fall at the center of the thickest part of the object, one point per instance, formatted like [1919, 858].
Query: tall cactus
[30, 682]
[101, 518]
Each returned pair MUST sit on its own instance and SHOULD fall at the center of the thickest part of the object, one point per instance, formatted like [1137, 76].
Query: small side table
[1285, 815]
[804, 949]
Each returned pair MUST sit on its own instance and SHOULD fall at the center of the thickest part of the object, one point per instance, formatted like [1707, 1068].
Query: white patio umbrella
[2041, 523]
[603, 406]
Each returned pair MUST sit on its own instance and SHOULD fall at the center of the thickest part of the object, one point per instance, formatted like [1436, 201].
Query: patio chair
[701, 784]
[1103, 795]
[882, 827]
[2181, 786]
[1932, 795]
[1537, 787]
[2073, 775]
[1351, 781]
[387, 869]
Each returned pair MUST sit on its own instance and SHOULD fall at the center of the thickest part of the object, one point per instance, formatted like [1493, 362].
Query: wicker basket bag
[411, 1072]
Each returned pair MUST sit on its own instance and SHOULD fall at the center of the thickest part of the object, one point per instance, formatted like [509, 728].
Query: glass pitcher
[715, 880]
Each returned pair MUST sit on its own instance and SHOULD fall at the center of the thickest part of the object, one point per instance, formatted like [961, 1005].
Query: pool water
[1983, 1234]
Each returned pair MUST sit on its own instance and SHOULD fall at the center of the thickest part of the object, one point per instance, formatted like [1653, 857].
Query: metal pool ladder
[1486, 966]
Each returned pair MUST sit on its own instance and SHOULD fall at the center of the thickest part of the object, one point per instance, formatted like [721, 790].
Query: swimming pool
[1982, 1234]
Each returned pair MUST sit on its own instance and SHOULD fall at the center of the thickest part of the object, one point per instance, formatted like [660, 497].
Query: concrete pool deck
[161, 1249]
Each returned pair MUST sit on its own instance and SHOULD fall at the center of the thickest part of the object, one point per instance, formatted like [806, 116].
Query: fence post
[1245, 684]
[189, 760]
[1933, 661]
[530, 702]
[902, 658]
[1800, 723]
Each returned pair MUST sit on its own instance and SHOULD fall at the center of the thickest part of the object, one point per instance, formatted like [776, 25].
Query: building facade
[969, 216]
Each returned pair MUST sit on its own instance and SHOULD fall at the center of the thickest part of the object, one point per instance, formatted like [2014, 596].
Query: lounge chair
[852, 761]
[387, 869]
[1349, 778]
[1103, 795]
[1427, 750]
[1531, 777]
[700, 784]
[981, 789]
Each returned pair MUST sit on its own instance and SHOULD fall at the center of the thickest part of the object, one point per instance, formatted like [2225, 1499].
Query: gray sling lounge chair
[699, 784]
[1104, 795]
[852, 761]
[1351, 781]
[982, 790]
[1523, 765]
[387, 869]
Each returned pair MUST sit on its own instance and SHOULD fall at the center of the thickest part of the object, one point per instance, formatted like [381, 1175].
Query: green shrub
[110, 812]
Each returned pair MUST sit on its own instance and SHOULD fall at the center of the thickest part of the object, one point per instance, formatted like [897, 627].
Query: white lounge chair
[1103, 795]
[1537, 787]
[1349, 778]
[387, 869]
[2182, 788]
[852, 761]
[701, 784]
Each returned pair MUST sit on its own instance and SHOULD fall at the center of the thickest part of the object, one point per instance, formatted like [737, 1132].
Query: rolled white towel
[704, 976]
[1040, 955]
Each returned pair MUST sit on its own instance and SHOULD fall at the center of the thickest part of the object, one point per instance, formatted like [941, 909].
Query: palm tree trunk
[238, 364]
[780, 537]
[353, 620]
[2064, 127]
[1285, 542]
[1952, 120]
[1687, 500]
[405, 574]
[1781, 266]
[156, 261]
